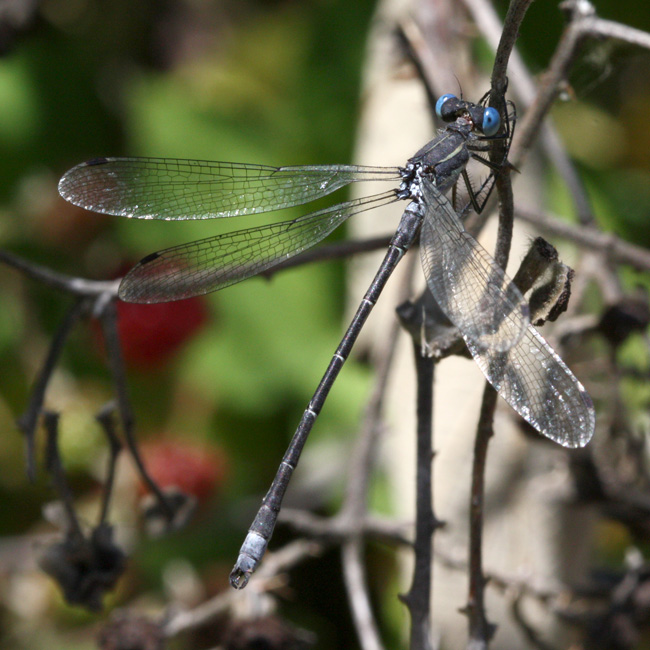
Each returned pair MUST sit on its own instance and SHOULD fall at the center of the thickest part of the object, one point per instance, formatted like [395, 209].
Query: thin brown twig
[28, 421]
[329, 252]
[480, 629]
[354, 574]
[57, 474]
[71, 284]
[584, 24]
[108, 319]
[337, 529]
[530, 633]
[502, 582]
[418, 598]
[614, 248]
[276, 563]
[106, 420]
[354, 509]
[522, 82]
[518, 588]
[514, 17]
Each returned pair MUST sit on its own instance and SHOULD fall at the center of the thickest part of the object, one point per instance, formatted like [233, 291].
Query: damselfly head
[449, 108]
[491, 121]
[483, 118]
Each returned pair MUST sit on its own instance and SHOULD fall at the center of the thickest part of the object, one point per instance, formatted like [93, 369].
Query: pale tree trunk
[531, 529]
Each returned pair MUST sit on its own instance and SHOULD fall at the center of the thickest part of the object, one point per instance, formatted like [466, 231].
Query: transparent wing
[470, 287]
[209, 264]
[533, 379]
[167, 188]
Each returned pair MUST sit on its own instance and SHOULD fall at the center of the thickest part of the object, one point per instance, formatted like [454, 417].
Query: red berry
[195, 469]
[151, 334]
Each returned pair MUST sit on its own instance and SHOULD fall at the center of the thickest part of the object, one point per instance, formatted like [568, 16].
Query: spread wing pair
[469, 286]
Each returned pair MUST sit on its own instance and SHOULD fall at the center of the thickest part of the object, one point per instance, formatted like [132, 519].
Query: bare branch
[584, 24]
[277, 563]
[28, 421]
[105, 417]
[418, 599]
[515, 16]
[57, 473]
[525, 88]
[480, 629]
[614, 248]
[354, 509]
[354, 575]
[108, 319]
[336, 251]
[68, 283]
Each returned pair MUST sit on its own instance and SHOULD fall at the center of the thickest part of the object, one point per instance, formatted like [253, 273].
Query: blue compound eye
[491, 120]
[441, 101]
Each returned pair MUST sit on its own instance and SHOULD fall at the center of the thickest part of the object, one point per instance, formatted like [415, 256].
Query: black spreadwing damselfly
[470, 287]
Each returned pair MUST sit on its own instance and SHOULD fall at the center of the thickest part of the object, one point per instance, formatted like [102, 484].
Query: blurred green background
[273, 82]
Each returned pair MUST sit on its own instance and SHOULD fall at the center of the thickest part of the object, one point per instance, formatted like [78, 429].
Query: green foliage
[275, 85]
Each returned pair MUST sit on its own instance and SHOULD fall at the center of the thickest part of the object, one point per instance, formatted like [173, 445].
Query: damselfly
[470, 287]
